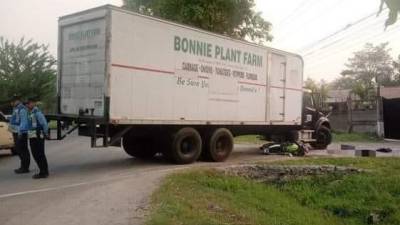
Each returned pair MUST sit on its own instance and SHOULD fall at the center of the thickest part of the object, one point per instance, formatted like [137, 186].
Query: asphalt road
[88, 186]
[99, 186]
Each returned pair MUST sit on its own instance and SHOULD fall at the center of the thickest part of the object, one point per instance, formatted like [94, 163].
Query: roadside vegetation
[337, 136]
[355, 137]
[209, 197]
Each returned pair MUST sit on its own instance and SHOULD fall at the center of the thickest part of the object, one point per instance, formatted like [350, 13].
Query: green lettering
[192, 47]
[209, 50]
[185, 45]
[237, 59]
[199, 49]
[217, 51]
[177, 43]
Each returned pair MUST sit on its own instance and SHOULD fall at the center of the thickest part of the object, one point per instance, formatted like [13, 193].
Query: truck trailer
[155, 86]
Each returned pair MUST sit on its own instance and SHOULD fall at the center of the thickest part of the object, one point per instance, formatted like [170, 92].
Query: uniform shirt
[37, 121]
[14, 120]
[19, 119]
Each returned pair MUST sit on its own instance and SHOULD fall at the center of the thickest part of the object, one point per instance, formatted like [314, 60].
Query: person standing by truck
[38, 131]
[19, 128]
[13, 121]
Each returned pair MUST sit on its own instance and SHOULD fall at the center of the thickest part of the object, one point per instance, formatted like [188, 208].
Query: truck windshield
[308, 100]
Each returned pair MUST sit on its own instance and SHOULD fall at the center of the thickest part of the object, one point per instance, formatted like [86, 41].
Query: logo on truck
[201, 48]
[84, 34]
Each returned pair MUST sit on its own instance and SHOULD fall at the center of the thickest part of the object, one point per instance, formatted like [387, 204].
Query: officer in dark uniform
[19, 128]
[38, 131]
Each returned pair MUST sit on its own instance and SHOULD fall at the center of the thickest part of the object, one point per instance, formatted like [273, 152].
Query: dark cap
[16, 97]
[33, 99]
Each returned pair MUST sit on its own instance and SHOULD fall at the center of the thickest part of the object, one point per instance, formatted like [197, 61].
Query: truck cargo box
[133, 69]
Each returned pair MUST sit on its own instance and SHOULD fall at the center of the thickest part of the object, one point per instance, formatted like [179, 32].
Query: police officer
[19, 128]
[38, 131]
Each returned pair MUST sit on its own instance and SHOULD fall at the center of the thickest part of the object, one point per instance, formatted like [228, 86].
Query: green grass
[208, 197]
[355, 137]
[336, 137]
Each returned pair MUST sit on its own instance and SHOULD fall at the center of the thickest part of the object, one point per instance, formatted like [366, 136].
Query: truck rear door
[277, 81]
[82, 63]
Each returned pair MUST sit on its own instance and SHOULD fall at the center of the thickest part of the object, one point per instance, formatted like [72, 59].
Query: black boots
[21, 171]
[40, 176]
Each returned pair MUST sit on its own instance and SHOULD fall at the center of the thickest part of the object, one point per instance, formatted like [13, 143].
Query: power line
[347, 27]
[326, 57]
[344, 38]
[321, 64]
[295, 11]
[331, 7]
[329, 44]
[360, 40]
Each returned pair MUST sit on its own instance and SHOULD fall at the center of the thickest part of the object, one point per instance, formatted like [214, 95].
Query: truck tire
[323, 138]
[139, 147]
[219, 145]
[185, 147]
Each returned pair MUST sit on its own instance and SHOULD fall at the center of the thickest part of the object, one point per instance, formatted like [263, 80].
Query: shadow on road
[102, 164]
[107, 165]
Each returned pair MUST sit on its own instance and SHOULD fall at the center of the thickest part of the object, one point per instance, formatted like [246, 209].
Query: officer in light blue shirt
[19, 127]
[38, 131]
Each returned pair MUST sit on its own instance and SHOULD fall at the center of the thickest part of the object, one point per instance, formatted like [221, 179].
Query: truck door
[82, 66]
[277, 83]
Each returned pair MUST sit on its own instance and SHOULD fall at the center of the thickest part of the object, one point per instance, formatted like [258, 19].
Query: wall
[339, 121]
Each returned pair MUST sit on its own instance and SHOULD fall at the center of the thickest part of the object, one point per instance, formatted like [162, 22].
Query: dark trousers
[37, 148]
[15, 137]
[23, 151]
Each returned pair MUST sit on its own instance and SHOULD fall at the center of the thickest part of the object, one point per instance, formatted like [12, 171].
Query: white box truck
[158, 86]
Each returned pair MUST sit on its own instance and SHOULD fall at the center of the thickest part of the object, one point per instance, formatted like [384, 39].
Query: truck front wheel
[323, 138]
[186, 146]
[219, 145]
[139, 147]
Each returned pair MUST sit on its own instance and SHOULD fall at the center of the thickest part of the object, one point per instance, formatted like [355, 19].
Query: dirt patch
[272, 173]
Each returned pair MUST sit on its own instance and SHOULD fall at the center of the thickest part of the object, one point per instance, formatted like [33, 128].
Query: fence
[354, 116]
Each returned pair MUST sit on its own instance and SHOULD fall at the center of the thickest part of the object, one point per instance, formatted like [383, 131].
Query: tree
[371, 66]
[234, 18]
[26, 69]
[396, 66]
[394, 10]
[343, 83]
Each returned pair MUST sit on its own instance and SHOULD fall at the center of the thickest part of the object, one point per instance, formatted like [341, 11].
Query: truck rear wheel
[186, 146]
[219, 145]
[323, 138]
[139, 147]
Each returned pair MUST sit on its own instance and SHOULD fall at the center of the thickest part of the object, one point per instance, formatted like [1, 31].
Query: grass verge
[208, 197]
[336, 137]
[355, 137]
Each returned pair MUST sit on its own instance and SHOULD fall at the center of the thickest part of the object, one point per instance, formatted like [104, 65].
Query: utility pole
[350, 114]
[379, 120]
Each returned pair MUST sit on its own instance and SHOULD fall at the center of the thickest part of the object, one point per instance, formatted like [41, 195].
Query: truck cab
[314, 118]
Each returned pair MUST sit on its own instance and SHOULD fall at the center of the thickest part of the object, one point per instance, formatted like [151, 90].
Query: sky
[324, 32]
